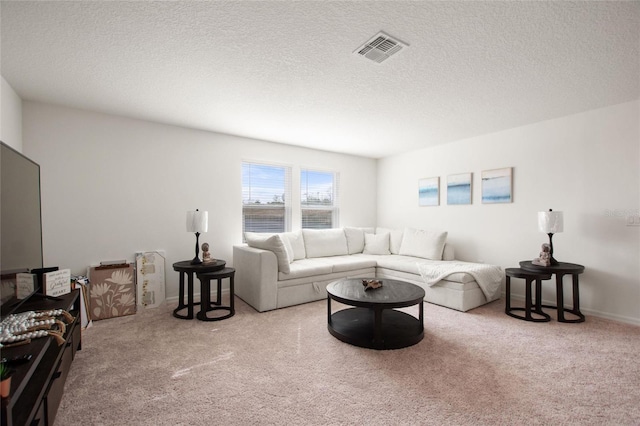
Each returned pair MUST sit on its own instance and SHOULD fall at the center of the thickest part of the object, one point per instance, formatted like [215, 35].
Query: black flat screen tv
[20, 224]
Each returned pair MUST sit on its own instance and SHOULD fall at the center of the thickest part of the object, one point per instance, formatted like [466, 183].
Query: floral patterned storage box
[112, 291]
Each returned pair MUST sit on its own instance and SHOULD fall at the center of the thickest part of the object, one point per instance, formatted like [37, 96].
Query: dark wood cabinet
[37, 386]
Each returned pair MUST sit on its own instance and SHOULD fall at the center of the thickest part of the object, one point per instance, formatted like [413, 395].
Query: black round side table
[205, 294]
[560, 270]
[186, 268]
[529, 308]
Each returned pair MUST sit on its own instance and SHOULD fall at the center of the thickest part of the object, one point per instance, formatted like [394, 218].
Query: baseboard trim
[586, 311]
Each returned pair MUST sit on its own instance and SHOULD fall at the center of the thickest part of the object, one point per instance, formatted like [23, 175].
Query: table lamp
[550, 223]
[197, 222]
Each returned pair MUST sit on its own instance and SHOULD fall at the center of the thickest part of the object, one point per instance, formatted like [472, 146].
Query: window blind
[319, 199]
[266, 198]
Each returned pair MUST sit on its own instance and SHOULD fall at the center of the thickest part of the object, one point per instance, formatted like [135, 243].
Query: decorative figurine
[206, 256]
[545, 256]
[371, 284]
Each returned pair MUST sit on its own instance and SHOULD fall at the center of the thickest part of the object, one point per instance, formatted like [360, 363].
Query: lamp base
[196, 260]
[553, 261]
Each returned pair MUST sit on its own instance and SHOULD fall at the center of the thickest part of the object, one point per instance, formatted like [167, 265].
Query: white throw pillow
[271, 242]
[287, 246]
[423, 243]
[355, 239]
[376, 244]
[325, 242]
[395, 238]
[448, 253]
[297, 245]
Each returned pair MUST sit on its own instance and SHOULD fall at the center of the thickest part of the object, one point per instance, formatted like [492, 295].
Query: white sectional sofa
[279, 270]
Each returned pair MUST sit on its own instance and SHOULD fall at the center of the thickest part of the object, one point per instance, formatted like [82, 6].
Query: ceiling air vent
[380, 48]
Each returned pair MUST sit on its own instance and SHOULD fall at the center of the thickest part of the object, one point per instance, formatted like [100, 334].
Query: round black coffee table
[372, 322]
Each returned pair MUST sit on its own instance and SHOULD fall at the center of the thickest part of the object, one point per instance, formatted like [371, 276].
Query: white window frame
[255, 185]
[334, 207]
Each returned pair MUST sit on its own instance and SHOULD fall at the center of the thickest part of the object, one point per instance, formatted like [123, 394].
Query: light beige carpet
[283, 367]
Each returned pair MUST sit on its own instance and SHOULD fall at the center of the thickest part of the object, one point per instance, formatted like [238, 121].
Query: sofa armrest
[256, 279]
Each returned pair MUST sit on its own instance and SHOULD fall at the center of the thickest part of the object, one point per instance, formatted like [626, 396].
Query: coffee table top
[392, 294]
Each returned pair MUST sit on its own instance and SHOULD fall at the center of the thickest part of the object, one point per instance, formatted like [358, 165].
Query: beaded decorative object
[20, 328]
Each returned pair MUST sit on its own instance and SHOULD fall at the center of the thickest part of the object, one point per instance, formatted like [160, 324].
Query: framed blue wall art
[459, 188]
[497, 186]
[429, 192]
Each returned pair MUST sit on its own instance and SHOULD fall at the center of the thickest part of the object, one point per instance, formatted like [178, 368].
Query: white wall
[586, 165]
[112, 186]
[10, 116]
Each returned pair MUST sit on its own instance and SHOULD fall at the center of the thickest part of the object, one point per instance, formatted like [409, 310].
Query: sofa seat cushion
[318, 280]
[306, 268]
[409, 264]
[348, 263]
[459, 296]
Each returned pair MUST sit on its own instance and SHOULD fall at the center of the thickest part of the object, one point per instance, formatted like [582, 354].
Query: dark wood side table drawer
[56, 386]
[39, 419]
[76, 338]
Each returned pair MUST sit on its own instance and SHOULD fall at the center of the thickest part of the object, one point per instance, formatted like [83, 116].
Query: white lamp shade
[550, 222]
[197, 221]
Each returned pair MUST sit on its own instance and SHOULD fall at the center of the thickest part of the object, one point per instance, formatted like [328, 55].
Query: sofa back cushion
[297, 245]
[271, 242]
[448, 253]
[395, 238]
[423, 243]
[355, 238]
[325, 242]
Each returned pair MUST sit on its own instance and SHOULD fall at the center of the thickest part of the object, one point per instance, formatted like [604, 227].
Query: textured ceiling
[285, 71]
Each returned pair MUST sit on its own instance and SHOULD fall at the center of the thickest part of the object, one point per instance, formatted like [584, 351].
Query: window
[319, 199]
[266, 195]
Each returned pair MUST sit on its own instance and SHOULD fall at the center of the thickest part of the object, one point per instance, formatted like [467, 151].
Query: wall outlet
[633, 220]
